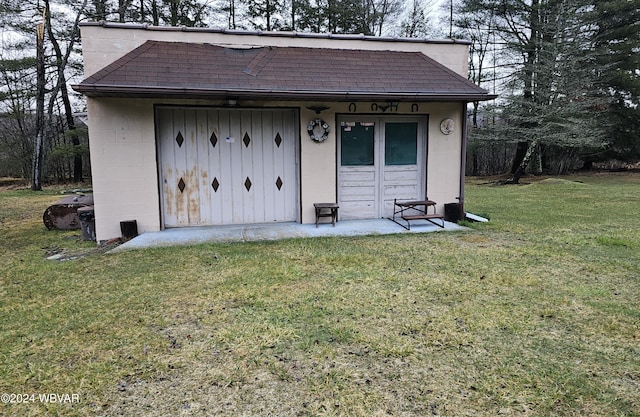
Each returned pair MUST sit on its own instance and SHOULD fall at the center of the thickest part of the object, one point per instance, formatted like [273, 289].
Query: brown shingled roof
[170, 69]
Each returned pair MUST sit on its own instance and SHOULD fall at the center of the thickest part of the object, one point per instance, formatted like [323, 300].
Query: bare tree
[61, 65]
[44, 122]
[41, 129]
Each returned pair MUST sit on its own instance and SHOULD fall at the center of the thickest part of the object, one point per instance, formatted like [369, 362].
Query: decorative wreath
[311, 129]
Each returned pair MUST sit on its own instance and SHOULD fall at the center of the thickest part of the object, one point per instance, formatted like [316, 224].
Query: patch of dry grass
[533, 314]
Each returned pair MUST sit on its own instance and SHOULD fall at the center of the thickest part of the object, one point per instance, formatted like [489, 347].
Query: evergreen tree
[551, 99]
[266, 14]
[617, 41]
[369, 17]
[416, 23]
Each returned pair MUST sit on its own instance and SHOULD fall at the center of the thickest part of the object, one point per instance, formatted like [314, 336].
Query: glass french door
[380, 159]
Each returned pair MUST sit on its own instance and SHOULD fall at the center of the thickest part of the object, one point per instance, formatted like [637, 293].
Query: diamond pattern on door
[258, 157]
[179, 139]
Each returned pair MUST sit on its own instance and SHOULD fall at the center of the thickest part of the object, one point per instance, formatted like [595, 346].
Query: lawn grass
[535, 313]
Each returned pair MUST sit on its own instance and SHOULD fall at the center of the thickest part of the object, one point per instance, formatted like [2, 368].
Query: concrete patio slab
[275, 231]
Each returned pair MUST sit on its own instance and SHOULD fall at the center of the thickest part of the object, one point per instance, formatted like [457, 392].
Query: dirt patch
[558, 181]
[270, 381]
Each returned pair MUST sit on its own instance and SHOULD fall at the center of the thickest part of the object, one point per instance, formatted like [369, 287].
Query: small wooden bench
[417, 210]
[321, 211]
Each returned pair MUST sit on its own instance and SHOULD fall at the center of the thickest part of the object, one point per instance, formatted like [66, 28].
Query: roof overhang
[114, 91]
[192, 70]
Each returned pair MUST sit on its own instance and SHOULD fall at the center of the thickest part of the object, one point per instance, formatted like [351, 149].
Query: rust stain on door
[168, 192]
[189, 202]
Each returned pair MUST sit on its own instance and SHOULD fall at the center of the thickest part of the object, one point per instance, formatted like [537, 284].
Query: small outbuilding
[203, 127]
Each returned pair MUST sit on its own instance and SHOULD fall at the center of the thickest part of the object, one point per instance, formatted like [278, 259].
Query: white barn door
[221, 166]
[380, 159]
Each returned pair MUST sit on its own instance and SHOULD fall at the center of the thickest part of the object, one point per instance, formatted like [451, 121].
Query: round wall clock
[447, 126]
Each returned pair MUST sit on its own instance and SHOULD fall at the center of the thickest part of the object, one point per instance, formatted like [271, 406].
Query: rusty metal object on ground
[63, 214]
[86, 216]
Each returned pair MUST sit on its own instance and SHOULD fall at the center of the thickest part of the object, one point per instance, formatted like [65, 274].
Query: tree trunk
[38, 149]
[155, 14]
[474, 113]
[268, 15]
[537, 158]
[43, 124]
[524, 150]
[522, 168]
[521, 151]
[71, 126]
[474, 159]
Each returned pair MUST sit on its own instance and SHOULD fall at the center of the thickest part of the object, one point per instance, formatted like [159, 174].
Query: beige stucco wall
[103, 45]
[123, 143]
[443, 155]
[125, 176]
[123, 164]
